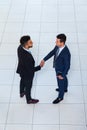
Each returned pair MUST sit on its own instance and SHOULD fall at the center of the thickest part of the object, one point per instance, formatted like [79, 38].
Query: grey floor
[43, 20]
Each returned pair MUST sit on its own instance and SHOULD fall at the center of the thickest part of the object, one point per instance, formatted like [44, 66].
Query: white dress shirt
[59, 51]
[27, 50]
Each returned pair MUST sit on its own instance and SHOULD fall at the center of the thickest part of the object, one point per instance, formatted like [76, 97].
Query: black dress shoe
[32, 101]
[22, 95]
[57, 100]
[57, 89]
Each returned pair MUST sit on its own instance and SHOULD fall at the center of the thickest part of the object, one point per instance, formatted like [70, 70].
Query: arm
[37, 68]
[28, 65]
[50, 54]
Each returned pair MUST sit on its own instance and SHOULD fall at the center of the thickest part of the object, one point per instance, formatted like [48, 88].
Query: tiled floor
[43, 20]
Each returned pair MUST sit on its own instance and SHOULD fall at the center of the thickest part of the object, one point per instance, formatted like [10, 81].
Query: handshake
[42, 63]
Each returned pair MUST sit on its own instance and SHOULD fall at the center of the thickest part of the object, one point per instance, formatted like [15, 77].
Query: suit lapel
[61, 52]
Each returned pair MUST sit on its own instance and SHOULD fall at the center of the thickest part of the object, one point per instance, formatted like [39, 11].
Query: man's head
[60, 40]
[26, 42]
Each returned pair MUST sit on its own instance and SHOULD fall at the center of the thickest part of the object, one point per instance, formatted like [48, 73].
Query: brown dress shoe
[32, 101]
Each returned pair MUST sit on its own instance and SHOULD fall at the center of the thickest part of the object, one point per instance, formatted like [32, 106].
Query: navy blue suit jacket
[62, 62]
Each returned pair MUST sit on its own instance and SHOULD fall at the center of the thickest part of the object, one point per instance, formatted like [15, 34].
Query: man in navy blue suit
[61, 64]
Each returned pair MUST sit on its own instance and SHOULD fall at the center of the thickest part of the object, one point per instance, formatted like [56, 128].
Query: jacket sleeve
[37, 68]
[67, 60]
[28, 64]
[49, 55]
[31, 67]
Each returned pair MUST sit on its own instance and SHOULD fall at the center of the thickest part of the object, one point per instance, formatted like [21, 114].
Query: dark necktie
[55, 57]
[57, 52]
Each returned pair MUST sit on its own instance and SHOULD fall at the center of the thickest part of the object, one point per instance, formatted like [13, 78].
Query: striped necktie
[55, 57]
[57, 53]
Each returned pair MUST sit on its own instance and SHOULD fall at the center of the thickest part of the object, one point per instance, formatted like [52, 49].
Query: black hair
[24, 39]
[62, 37]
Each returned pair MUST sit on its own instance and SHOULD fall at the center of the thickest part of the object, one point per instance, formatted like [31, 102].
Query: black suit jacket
[26, 64]
[62, 62]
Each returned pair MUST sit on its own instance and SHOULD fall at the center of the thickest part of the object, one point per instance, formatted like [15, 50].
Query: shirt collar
[26, 49]
[61, 48]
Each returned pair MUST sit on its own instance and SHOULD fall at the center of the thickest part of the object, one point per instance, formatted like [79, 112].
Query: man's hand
[60, 77]
[42, 63]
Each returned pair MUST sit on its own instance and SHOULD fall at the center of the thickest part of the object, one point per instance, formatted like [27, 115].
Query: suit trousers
[63, 85]
[25, 87]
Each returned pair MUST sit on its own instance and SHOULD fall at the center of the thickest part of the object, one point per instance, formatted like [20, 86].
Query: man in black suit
[61, 64]
[26, 68]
